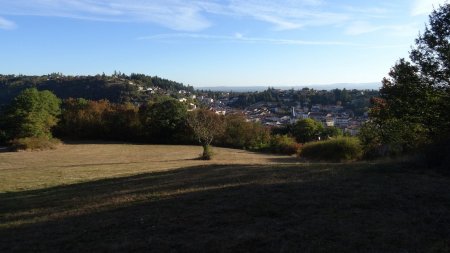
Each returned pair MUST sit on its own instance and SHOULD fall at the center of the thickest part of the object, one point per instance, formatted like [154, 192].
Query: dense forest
[117, 88]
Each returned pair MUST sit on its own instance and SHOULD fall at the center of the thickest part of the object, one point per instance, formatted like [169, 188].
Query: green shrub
[283, 144]
[34, 143]
[340, 149]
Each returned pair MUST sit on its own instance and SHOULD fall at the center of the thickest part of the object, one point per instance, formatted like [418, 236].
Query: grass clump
[335, 150]
[34, 143]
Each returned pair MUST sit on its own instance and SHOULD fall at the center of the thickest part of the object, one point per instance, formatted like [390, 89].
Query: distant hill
[348, 86]
[115, 88]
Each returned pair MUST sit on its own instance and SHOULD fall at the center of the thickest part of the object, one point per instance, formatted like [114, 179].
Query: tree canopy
[413, 108]
[307, 130]
[33, 113]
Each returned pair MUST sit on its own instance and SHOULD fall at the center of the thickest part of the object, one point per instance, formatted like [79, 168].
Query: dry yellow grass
[84, 162]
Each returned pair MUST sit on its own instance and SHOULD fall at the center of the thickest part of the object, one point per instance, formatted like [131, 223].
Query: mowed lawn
[121, 198]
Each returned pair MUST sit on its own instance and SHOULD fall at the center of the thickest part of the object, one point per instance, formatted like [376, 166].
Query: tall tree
[413, 108]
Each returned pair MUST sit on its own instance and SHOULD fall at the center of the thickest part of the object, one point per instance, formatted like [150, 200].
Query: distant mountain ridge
[348, 86]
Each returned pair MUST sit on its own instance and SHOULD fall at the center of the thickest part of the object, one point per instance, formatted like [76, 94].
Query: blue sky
[212, 43]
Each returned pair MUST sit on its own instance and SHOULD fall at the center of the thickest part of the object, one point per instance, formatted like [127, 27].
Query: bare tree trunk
[207, 154]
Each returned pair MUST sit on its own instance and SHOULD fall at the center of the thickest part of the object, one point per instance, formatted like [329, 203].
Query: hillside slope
[273, 207]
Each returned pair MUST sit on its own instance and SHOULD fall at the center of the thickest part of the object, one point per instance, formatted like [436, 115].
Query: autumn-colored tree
[84, 119]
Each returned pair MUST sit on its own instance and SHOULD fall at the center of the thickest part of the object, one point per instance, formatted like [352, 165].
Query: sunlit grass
[84, 162]
[167, 205]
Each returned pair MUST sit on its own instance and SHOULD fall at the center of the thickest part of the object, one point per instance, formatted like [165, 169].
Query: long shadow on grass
[331, 208]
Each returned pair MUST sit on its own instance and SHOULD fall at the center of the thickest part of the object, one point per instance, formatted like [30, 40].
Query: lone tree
[33, 113]
[413, 108]
[206, 125]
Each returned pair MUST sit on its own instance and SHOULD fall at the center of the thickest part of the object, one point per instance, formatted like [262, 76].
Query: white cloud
[197, 15]
[174, 14]
[7, 24]
[287, 14]
[181, 15]
[240, 38]
[360, 27]
[425, 7]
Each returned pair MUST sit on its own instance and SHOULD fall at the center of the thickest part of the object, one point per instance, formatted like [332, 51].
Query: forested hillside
[115, 88]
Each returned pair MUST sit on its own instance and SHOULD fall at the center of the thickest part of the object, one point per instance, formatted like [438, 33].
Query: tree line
[41, 114]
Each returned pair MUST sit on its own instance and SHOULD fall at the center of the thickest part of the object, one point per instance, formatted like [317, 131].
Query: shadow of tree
[234, 209]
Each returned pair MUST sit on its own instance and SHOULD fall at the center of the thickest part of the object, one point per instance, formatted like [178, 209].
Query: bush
[35, 143]
[283, 144]
[239, 133]
[336, 150]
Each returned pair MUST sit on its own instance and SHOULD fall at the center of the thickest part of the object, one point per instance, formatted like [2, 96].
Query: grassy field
[120, 198]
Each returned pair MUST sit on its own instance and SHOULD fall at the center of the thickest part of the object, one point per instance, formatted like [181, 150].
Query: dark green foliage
[32, 114]
[307, 130]
[413, 111]
[391, 138]
[116, 88]
[329, 132]
[165, 121]
[335, 150]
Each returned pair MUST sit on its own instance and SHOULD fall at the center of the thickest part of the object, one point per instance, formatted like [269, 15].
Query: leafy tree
[239, 133]
[331, 132]
[206, 125]
[413, 108]
[33, 113]
[307, 130]
[164, 121]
